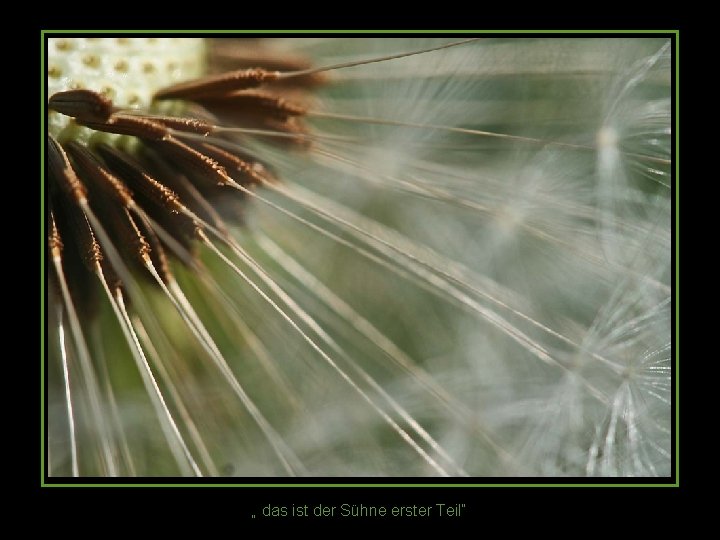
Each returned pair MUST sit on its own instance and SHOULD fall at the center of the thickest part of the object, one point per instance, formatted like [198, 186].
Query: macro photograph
[365, 256]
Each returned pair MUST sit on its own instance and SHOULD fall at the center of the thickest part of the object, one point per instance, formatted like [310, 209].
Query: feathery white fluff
[487, 270]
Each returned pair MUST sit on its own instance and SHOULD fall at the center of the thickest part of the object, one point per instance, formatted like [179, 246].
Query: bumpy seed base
[126, 70]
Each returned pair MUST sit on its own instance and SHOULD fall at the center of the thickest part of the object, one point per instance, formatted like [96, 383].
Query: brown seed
[60, 168]
[135, 126]
[218, 84]
[82, 105]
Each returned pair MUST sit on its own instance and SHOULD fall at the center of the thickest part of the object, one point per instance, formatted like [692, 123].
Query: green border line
[676, 346]
[43, 316]
[676, 33]
[285, 486]
[389, 31]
